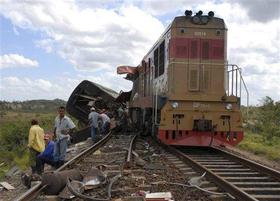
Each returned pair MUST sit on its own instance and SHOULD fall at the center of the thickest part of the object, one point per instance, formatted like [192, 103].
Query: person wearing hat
[93, 122]
[46, 156]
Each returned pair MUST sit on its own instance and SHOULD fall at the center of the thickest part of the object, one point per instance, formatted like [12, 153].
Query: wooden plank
[7, 186]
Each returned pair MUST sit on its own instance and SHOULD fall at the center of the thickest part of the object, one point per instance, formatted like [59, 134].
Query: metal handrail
[237, 69]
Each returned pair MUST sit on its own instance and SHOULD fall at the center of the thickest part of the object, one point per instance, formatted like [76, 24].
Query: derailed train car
[184, 91]
[86, 95]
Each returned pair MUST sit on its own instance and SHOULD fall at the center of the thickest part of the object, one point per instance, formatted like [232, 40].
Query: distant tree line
[263, 119]
[43, 106]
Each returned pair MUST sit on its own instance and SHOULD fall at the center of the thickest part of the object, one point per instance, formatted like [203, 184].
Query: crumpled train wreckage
[86, 95]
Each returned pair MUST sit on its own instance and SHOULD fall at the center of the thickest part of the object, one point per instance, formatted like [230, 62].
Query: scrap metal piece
[112, 181]
[82, 196]
[196, 181]
[94, 178]
[66, 194]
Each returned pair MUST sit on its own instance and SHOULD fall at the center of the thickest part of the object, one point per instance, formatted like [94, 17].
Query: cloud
[24, 88]
[16, 61]
[260, 11]
[89, 38]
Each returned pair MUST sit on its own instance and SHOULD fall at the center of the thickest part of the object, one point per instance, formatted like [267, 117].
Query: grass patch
[256, 144]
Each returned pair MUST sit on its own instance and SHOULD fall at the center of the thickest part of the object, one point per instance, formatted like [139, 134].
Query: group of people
[43, 150]
[99, 122]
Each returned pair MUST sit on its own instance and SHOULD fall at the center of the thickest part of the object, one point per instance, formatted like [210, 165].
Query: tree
[268, 118]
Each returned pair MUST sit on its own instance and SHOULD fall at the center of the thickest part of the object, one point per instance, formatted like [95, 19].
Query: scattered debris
[94, 178]
[196, 181]
[160, 196]
[97, 152]
[52, 198]
[7, 186]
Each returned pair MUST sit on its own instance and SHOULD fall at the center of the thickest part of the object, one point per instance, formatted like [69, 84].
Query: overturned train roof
[86, 95]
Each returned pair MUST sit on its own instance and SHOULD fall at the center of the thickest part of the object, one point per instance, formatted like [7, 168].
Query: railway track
[141, 166]
[138, 165]
[242, 178]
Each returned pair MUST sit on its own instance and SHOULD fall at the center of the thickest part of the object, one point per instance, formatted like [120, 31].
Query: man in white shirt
[63, 126]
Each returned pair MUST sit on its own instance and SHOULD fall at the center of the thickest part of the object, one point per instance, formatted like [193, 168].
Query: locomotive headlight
[229, 106]
[204, 19]
[196, 19]
[174, 105]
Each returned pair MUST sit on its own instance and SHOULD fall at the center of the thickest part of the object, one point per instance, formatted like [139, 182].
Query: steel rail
[32, 193]
[252, 164]
[129, 152]
[219, 181]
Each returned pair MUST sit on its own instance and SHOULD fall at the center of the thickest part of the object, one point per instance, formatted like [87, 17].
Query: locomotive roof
[183, 21]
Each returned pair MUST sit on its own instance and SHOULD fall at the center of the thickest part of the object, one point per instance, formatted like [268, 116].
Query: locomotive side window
[149, 75]
[161, 59]
[159, 55]
[156, 62]
[145, 78]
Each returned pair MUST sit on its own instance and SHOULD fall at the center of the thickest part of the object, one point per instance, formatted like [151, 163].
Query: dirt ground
[256, 158]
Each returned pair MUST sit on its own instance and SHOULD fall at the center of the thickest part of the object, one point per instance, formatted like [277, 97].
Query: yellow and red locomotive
[184, 92]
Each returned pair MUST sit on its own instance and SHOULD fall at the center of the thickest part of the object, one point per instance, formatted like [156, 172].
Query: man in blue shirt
[93, 122]
[46, 156]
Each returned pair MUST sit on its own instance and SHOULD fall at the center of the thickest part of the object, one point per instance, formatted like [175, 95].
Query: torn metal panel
[123, 97]
[127, 69]
[89, 92]
[94, 178]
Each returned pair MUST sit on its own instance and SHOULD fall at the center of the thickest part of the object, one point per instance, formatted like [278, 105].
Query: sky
[49, 47]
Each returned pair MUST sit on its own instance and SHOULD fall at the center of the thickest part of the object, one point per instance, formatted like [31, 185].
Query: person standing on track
[105, 122]
[63, 127]
[93, 122]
